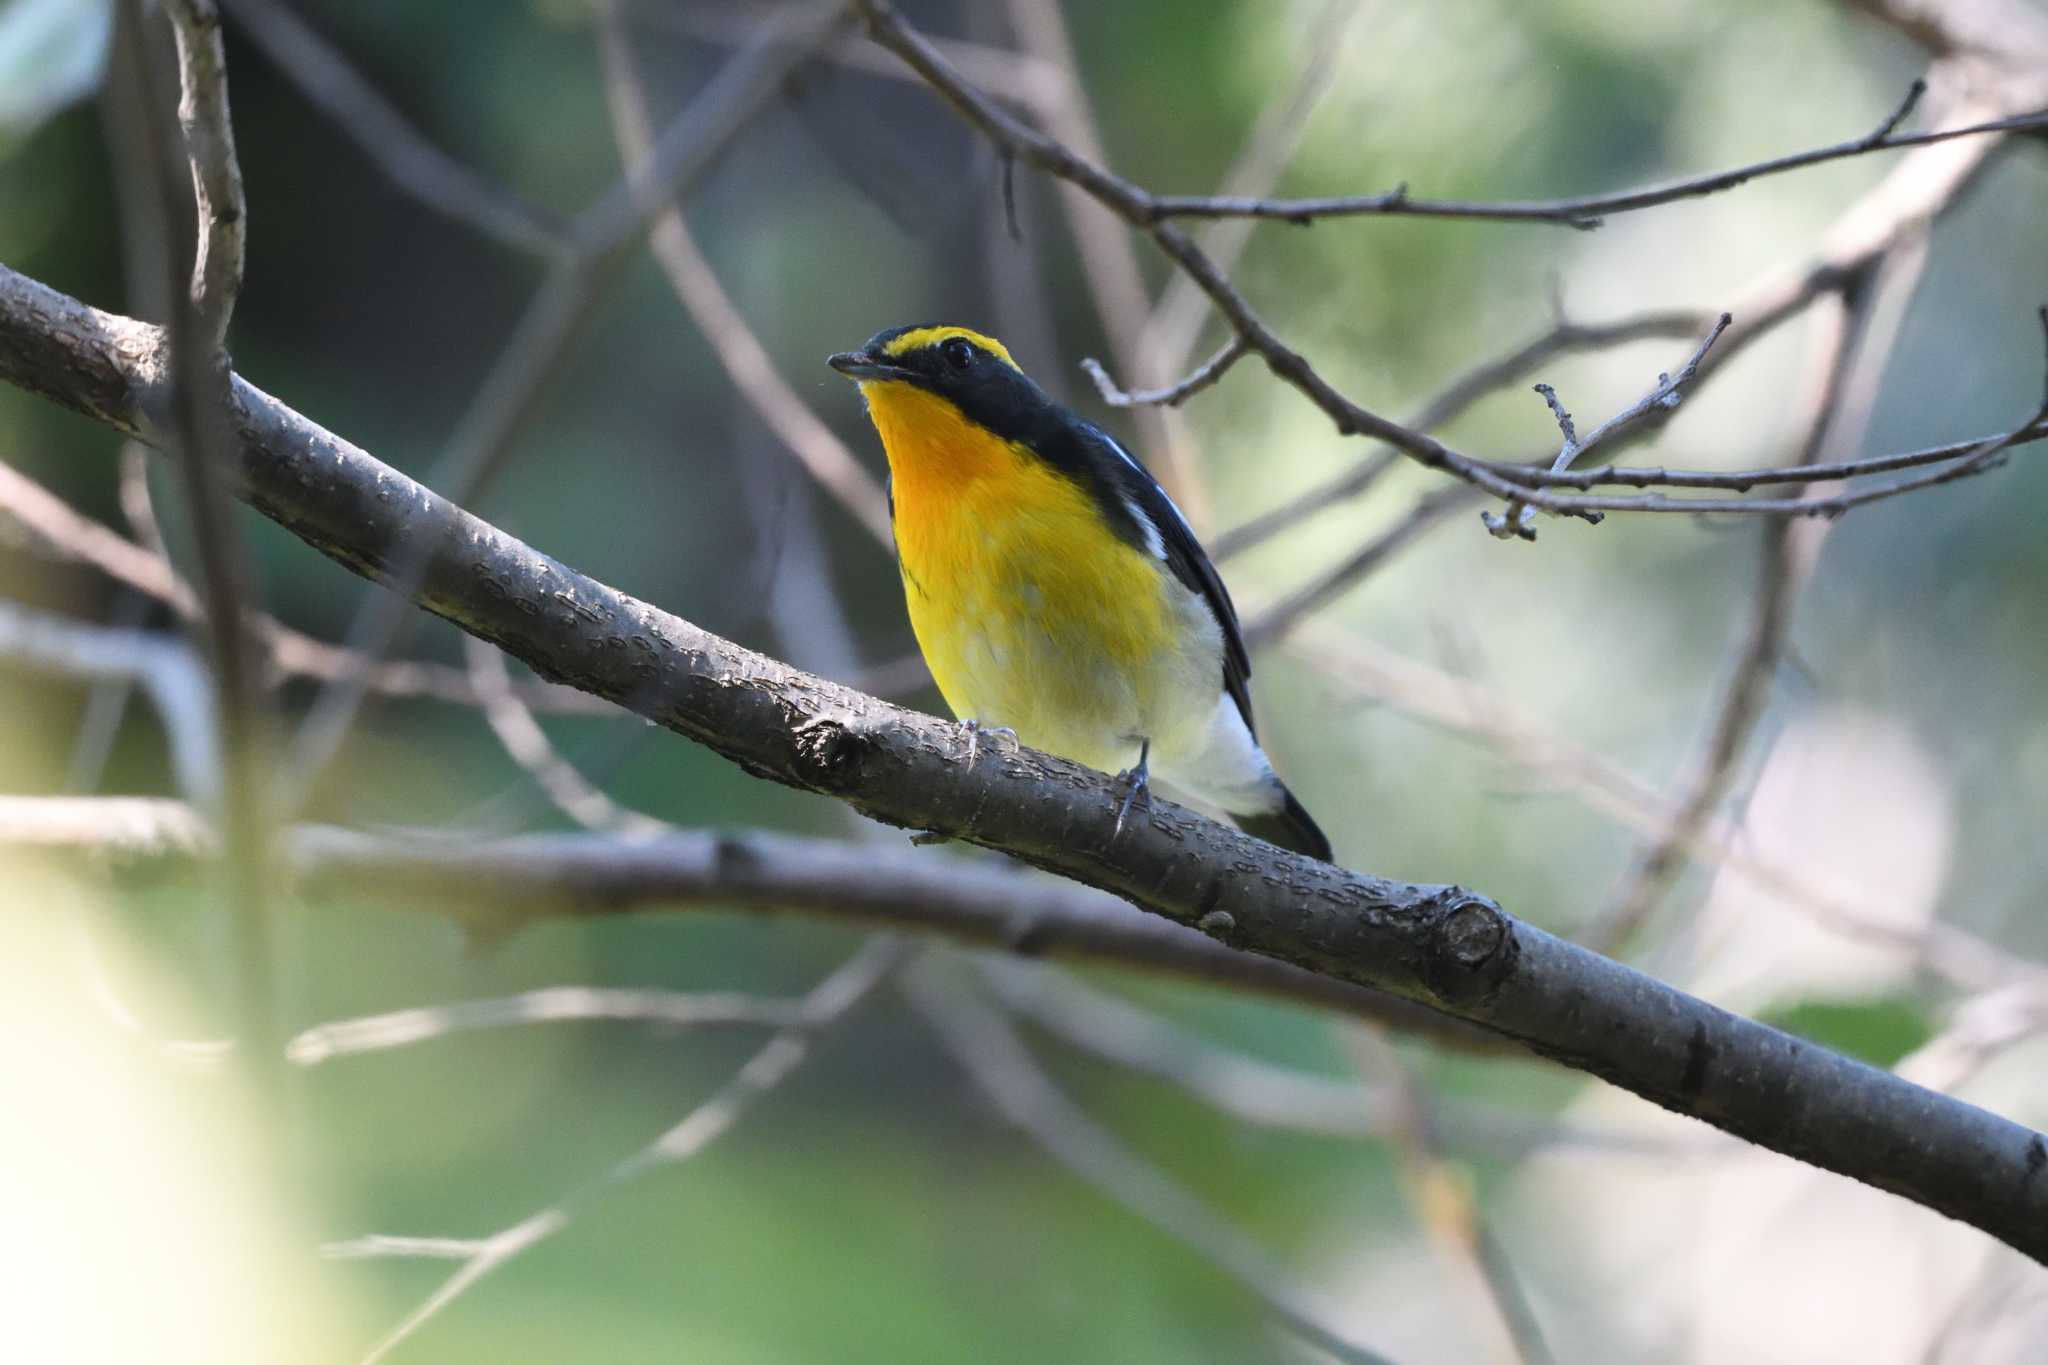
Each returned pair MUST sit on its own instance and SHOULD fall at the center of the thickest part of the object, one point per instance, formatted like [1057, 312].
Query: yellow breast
[1030, 611]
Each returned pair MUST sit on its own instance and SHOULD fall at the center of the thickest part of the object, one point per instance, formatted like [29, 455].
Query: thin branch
[1968, 461]
[535, 349]
[292, 653]
[1109, 260]
[1431, 509]
[1742, 480]
[106, 707]
[738, 350]
[1021, 78]
[1658, 403]
[179, 688]
[1927, 194]
[1245, 1087]
[1788, 551]
[1205, 374]
[1170, 332]
[554, 1004]
[1920, 188]
[114, 827]
[827, 1003]
[494, 887]
[1954, 955]
[1585, 211]
[2010, 32]
[191, 413]
[216, 175]
[1453, 400]
[526, 744]
[996, 1060]
[1445, 945]
[392, 144]
[1978, 1030]
[1440, 1197]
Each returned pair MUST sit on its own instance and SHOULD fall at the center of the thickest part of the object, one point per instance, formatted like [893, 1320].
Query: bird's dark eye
[959, 353]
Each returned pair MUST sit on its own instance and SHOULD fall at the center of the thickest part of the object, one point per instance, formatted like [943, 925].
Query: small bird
[1056, 591]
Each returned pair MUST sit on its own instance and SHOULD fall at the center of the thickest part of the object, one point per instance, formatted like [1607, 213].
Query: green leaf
[1879, 1030]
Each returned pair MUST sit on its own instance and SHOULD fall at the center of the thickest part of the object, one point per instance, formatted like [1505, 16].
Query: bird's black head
[973, 371]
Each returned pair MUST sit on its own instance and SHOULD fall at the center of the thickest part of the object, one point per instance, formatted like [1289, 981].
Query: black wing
[1140, 511]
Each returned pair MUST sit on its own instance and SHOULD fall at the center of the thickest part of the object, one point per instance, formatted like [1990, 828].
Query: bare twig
[1789, 550]
[216, 175]
[1563, 338]
[1970, 460]
[393, 145]
[1658, 401]
[996, 1060]
[1742, 480]
[1656, 404]
[1585, 211]
[738, 350]
[2011, 33]
[1899, 204]
[197, 374]
[1957, 956]
[526, 744]
[179, 689]
[1205, 374]
[827, 1003]
[1440, 1195]
[1176, 320]
[1021, 78]
[106, 707]
[1109, 261]
[538, 342]
[1978, 1030]
[668, 1009]
[291, 653]
[1431, 509]
[116, 827]
[1256, 1091]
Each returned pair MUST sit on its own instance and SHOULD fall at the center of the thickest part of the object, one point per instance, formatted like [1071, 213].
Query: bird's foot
[1137, 788]
[1001, 734]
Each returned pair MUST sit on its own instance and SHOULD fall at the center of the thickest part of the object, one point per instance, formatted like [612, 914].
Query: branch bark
[1440, 945]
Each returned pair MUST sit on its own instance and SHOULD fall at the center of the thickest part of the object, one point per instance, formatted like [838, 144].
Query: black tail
[1290, 827]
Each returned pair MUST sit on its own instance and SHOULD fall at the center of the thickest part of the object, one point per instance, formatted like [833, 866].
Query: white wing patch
[1154, 541]
[1155, 544]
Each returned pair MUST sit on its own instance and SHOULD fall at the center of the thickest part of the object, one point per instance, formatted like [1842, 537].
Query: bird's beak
[858, 365]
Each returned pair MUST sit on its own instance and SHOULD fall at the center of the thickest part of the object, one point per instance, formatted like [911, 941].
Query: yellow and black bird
[1056, 591]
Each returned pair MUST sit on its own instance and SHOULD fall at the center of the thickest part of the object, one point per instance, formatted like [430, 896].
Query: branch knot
[1472, 947]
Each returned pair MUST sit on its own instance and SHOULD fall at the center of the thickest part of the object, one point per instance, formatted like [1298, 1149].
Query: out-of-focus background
[1478, 711]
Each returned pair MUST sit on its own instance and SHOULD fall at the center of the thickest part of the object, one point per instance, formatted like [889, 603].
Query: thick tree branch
[1440, 945]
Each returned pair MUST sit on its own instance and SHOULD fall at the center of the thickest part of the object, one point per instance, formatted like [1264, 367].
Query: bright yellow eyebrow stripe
[932, 336]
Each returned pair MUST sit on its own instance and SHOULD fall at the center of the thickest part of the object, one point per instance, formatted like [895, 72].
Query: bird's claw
[1138, 786]
[999, 733]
